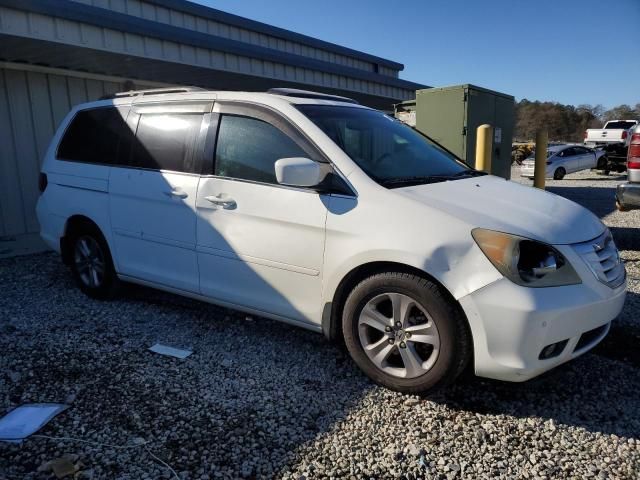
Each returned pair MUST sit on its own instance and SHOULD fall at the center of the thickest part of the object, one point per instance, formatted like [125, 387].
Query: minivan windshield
[387, 150]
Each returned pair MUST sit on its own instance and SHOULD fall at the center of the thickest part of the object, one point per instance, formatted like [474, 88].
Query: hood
[497, 204]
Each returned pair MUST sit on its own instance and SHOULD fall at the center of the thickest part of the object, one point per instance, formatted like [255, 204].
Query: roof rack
[294, 92]
[152, 91]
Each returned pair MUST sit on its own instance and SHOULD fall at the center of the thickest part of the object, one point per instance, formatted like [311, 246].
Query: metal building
[57, 53]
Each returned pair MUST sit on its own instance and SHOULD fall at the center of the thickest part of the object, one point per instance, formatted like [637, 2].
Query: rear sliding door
[153, 196]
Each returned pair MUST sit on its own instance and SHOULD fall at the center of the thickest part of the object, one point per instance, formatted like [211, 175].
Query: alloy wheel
[398, 335]
[89, 261]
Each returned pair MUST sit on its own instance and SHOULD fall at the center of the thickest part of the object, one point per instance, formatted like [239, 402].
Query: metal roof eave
[242, 22]
[38, 52]
[100, 17]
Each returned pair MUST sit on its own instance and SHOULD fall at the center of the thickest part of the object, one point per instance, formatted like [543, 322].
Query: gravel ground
[260, 399]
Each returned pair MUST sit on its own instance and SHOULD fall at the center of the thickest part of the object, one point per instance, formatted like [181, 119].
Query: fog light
[552, 350]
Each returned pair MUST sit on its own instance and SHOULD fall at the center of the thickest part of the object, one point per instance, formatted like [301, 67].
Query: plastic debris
[422, 462]
[27, 419]
[170, 351]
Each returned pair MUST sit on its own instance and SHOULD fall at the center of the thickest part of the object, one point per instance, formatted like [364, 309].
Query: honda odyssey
[317, 211]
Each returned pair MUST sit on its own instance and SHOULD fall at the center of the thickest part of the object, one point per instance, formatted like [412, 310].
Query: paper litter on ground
[170, 351]
[27, 419]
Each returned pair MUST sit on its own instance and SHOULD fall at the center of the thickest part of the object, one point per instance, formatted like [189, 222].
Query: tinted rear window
[619, 125]
[100, 135]
[168, 141]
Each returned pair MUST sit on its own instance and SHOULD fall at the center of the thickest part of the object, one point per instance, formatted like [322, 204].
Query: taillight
[42, 182]
[625, 134]
[586, 135]
[633, 156]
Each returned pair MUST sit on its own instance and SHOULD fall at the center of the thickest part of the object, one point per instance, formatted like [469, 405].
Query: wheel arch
[332, 313]
[74, 224]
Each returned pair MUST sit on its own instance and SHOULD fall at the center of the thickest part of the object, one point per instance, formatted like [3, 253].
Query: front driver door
[259, 244]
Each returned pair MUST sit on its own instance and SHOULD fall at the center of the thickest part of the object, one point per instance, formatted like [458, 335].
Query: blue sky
[582, 51]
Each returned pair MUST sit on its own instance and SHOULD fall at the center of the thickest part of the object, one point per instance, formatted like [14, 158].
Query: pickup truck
[614, 140]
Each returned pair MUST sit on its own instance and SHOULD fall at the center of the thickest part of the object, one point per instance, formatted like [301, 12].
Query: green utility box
[451, 115]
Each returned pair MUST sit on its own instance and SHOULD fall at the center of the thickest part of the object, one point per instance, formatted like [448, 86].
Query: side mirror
[299, 172]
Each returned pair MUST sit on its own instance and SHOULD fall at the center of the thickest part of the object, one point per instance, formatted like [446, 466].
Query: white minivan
[314, 210]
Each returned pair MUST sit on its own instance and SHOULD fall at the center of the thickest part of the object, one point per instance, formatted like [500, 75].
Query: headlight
[525, 262]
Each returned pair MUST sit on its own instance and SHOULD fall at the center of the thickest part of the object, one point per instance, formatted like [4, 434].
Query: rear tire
[92, 264]
[559, 173]
[405, 333]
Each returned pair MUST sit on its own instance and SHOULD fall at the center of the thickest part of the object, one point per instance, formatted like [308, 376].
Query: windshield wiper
[416, 180]
[469, 173]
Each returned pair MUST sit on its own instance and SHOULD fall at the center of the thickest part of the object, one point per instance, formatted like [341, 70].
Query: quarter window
[99, 135]
[248, 148]
[168, 141]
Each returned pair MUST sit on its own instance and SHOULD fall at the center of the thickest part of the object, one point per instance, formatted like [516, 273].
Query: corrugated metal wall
[21, 23]
[176, 18]
[33, 101]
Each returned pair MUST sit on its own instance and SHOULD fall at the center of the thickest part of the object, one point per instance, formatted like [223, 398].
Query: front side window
[167, 141]
[248, 148]
[99, 135]
[390, 152]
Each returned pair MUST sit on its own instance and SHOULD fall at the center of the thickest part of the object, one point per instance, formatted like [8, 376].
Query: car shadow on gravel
[601, 201]
[252, 393]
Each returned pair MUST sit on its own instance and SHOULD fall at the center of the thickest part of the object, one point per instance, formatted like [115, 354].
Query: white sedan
[563, 159]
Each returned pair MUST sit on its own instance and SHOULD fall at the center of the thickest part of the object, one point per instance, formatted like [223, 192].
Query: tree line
[565, 122]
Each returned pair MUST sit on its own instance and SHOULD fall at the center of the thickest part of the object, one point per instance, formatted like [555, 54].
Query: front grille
[588, 338]
[601, 255]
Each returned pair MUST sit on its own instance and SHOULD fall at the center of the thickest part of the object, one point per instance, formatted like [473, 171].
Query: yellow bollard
[484, 142]
[539, 171]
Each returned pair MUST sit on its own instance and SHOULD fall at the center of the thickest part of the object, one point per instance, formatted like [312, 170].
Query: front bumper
[511, 325]
[628, 195]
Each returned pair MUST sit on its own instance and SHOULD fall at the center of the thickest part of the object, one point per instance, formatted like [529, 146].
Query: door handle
[224, 202]
[176, 192]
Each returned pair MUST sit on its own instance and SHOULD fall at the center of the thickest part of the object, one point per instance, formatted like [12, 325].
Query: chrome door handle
[177, 192]
[224, 202]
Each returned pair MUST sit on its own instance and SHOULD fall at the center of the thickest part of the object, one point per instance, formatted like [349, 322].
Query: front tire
[559, 173]
[92, 265]
[405, 333]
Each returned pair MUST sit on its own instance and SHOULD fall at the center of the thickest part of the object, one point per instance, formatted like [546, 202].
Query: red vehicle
[628, 194]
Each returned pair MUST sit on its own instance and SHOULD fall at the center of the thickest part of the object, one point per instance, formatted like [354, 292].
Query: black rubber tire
[109, 287]
[455, 338]
[602, 163]
[620, 207]
[559, 173]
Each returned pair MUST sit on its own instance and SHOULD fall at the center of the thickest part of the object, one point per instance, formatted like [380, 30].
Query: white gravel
[260, 399]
